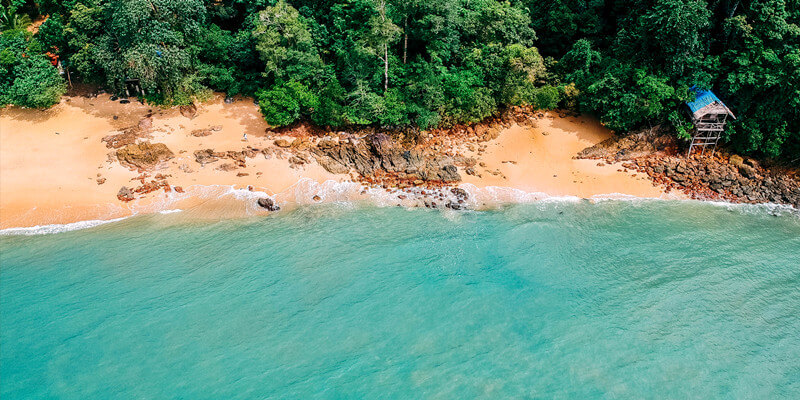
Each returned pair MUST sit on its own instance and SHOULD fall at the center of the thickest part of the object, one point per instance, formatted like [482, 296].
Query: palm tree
[9, 19]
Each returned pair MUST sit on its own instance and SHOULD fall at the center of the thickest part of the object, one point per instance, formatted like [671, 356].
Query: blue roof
[704, 98]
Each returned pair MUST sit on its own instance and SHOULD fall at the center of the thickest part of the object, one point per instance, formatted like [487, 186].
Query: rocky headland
[718, 176]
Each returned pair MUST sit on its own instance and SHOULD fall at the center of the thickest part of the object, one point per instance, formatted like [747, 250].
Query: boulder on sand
[189, 111]
[125, 194]
[144, 156]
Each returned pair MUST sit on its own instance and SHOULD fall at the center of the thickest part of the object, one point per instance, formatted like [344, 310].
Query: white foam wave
[759, 208]
[57, 228]
[176, 210]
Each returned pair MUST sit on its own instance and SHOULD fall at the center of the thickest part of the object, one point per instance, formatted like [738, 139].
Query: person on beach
[244, 137]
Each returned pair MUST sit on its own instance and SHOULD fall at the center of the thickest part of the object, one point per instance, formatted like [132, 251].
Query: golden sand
[540, 159]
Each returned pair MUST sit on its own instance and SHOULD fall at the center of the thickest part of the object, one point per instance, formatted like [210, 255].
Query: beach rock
[101, 181]
[125, 194]
[143, 156]
[454, 205]
[189, 111]
[268, 204]
[206, 156]
[283, 143]
[201, 132]
[736, 160]
[125, 137]
[460, 193]
[327, 144]
[227, 167]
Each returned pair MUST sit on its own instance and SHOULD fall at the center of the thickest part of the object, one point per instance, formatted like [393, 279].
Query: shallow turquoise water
[565, 300]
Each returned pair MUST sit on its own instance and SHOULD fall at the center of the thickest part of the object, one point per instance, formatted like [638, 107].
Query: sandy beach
[52, 162]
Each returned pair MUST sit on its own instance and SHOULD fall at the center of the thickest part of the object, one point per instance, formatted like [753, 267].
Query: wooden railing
[711, 126]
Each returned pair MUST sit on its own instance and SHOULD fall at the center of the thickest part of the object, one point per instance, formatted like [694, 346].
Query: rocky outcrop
[718, 178]
[282, 143]
[721, 176]
[377, 154]
[143, 156]
[268, 204]
[208, 156]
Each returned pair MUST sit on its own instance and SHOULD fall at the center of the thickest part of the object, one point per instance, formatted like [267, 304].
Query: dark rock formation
[267, 203]
[460, 193]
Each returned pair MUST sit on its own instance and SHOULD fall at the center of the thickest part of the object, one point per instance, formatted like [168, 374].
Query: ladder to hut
[709, 116]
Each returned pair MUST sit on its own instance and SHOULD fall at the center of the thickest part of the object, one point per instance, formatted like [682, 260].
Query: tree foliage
[27, 77]
[437, 62]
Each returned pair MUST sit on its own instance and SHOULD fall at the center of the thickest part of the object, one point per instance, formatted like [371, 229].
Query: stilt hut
[709, 115]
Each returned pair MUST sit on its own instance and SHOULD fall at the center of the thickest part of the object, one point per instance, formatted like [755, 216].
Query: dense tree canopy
[27, 77]
[427, 63]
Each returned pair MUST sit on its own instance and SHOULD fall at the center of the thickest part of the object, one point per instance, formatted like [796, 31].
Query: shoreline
[55, 168]
[201, 215]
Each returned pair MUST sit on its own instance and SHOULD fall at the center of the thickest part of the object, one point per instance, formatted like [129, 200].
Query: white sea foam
[760, 208]
[176, 210]
[57, 228]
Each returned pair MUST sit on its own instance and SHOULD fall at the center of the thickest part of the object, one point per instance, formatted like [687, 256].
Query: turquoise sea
[651, 299]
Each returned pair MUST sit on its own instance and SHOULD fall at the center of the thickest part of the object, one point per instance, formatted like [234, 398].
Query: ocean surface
[561, 299]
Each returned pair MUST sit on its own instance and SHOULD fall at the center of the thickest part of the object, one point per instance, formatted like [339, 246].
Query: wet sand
[50, 161]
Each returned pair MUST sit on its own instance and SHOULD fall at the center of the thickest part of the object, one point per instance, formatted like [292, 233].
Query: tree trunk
[385, 67]
[405, 40]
